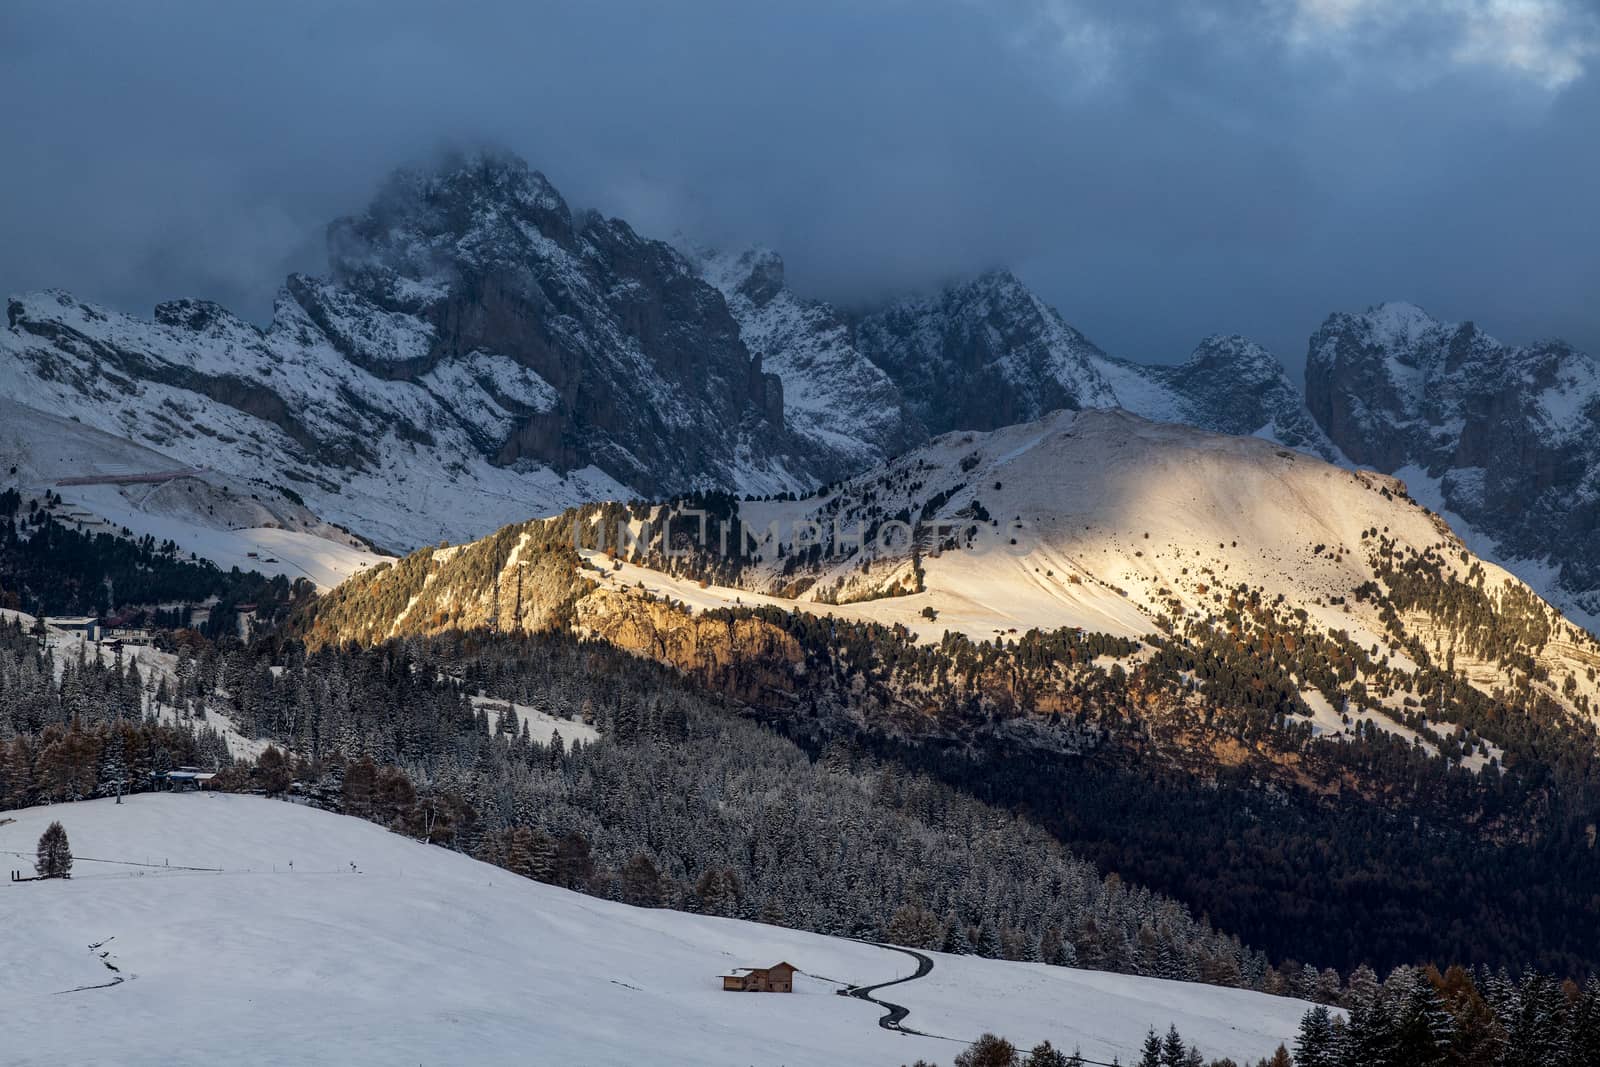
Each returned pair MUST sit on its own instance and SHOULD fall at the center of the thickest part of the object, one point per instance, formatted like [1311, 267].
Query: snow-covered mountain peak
[470, 314]
[983, 354]
[1236, 354]
[1399, 323]
[473, 211]
[990, 352]
[754, 273]
[1097, 520]
[1501, 436]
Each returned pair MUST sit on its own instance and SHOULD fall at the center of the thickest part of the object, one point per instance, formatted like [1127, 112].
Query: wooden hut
[779, 978]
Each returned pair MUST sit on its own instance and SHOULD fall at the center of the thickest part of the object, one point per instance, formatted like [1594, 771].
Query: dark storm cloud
[1158, 171]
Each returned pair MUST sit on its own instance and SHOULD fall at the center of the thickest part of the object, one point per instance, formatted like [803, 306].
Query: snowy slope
[218, 516]
[154, 666]
[374, 949]
[395, 461]
[1107, 522]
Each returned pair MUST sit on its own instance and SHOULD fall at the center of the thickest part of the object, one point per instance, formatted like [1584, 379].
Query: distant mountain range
[1096, 520]
[480, 353]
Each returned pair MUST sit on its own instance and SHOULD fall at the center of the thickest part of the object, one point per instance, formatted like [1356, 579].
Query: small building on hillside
[127, 627]
[184, 779]
[779, 978]
[87, 625]
[126, 635]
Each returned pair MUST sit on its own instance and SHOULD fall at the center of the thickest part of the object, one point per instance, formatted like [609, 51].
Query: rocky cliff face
[833, 395]
[1229, 384]
[990, 353]
[984, 354]
[650, 379]
[745, 658]
[1502, 436]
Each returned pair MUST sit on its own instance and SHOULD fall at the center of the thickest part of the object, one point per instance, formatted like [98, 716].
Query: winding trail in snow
[105, 958]
[894, 1014]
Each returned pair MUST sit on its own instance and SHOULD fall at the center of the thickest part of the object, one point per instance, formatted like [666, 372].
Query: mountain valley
[621, 566]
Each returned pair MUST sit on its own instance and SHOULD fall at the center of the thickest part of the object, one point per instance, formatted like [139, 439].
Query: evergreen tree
[955, 936]
[54, 858]
[1045, 1054]
[360, 790]
[1314, 1045]
[1173, 1052]
[574, 865]
[1150, 1054]
[989, 939]
[1583, 1030]
[274, 768]
[1423, 1029]
[1369, 1039]
[113, 767]
[1536, 1024]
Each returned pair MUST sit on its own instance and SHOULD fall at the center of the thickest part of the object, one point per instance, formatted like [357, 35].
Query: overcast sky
[1158, 170]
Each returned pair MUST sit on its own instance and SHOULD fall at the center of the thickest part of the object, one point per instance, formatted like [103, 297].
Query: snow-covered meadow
[326, 939]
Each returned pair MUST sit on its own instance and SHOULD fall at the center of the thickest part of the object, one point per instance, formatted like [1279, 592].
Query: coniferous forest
[683, 802]
[50, 568]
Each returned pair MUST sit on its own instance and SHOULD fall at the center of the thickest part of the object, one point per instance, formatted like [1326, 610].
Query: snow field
[416, 954]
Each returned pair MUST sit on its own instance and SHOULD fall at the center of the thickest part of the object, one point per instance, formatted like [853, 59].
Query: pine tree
[1583, 1026]
[573, 864]
[1150, 1055]
[955, 936]
[989, 939]
[1534, 1031]
[1476, 1030]
[360, 788]
[1173, 1052]
[1362, 989]
[1314, 1045]
[1368, 1037]
[113, 767]
[16, 768]
[55, 855]
[1045, 1054]
[274, 768]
